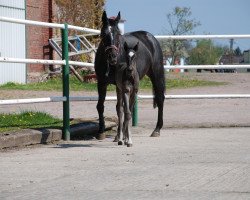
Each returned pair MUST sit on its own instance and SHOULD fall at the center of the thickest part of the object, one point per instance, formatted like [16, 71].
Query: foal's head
[110, 34]
[131, 57]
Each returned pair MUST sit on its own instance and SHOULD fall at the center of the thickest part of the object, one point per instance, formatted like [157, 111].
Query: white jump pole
[113, 98]
[48, 62]
[206, 66]
[34, 100]
[47, 24]
[190, 37]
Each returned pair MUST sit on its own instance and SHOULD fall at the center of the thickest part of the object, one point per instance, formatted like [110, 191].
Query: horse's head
[131, 57]
[110, 34]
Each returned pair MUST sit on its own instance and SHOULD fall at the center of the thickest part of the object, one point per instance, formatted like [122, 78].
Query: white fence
[190, 37]
[159, 37]
[113, 98]
[64, 62]
[49, 25]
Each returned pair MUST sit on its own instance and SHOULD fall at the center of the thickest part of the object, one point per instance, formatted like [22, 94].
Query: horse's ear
[126, 46]
[104, 18]
[117, 19]
[136, 46]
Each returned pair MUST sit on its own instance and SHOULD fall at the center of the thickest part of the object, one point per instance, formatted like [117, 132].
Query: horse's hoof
[100, 136]
[129, 145]
[116, 139]
[120, 143]
[155, 134]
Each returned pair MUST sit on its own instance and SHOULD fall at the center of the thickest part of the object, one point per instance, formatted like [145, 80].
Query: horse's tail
[154, 100]
[159, 88]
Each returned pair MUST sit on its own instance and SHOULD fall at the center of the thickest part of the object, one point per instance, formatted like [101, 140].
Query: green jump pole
[135, 113]
[65, 79]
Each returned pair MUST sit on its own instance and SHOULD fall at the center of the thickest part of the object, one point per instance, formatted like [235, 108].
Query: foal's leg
[119, 110]
[102, 90]
[127, 118]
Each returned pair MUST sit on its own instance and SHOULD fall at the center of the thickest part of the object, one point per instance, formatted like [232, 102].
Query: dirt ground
[177, 113]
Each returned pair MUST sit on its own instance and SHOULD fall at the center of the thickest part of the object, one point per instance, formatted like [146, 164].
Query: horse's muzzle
[112, 58]
[112, 53]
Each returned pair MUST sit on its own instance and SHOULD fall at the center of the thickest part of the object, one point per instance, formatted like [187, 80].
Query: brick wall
[37, 37]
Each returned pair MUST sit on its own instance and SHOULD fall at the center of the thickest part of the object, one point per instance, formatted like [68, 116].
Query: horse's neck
[132, 78]
[120, 43]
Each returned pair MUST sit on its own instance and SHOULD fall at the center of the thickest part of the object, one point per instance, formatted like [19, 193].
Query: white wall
[12, 41]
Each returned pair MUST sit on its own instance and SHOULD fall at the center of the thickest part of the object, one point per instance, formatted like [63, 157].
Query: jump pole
[65, 79]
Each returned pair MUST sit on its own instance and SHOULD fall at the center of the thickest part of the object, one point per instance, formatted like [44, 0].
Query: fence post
[135, 112]
[65, 79]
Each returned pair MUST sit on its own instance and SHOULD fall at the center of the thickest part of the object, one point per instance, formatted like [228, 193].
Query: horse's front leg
[102, 90]
[119, 111]
[127, 118]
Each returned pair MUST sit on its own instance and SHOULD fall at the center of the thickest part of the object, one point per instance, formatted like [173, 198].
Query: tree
[85, 13]
[205, 53]
[237, 51]
[180, 23]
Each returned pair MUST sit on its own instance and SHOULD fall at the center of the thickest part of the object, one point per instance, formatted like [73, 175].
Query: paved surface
[191, 163]
[181, 164]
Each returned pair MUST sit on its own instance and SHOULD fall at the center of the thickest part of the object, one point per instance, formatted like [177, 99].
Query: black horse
[111, 55]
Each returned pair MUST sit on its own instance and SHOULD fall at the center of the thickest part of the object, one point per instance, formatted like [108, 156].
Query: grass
[50, 85]
[184, 83]
[55, 84]
[28, 119]
[181, 82]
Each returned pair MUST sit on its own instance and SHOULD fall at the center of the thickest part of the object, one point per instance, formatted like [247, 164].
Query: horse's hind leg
[102, 90]
[160, 104]
[159, 97]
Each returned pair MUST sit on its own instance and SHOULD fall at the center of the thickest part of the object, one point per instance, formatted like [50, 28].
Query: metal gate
[12, 41]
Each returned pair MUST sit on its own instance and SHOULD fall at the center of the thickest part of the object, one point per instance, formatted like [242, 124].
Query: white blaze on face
[131, 54]
[110, 30]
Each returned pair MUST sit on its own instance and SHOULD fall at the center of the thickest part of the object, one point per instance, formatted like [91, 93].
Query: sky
[215, 16]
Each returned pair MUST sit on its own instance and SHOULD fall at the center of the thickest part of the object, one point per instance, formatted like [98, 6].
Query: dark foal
[111, 55]
[127, 85]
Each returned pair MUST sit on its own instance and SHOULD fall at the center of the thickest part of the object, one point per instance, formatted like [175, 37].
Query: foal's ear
[104, 18]
[136, 46]
[126, 46]
[117, 19]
